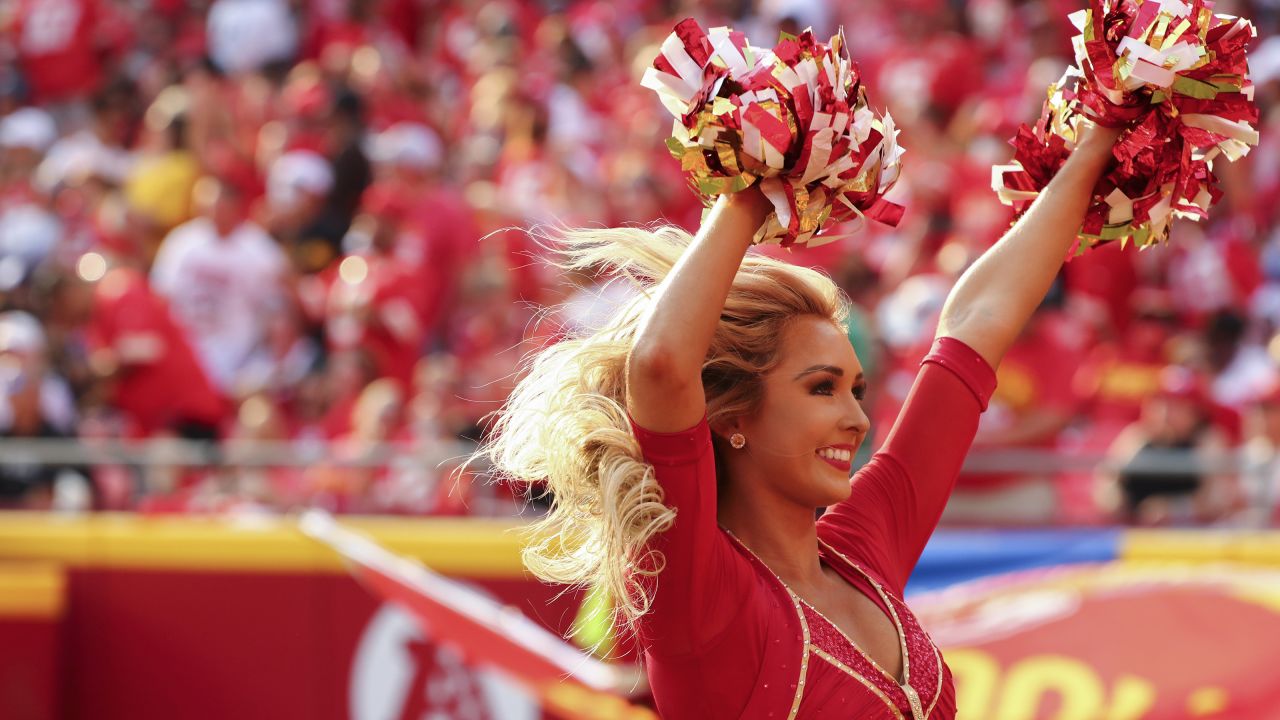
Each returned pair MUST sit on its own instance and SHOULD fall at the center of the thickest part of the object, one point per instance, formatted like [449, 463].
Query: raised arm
[664, 369]
[995, 297]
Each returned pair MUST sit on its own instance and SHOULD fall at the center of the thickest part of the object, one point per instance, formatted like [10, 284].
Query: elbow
[989, 332]
[658, 367]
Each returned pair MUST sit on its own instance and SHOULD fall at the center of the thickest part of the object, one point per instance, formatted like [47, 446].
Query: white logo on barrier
[399, 674]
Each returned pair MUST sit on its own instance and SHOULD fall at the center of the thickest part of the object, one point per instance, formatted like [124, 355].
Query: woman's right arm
[704, 583]
[664, 368]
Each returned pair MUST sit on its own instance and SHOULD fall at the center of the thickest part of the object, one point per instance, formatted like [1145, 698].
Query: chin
[832, 496]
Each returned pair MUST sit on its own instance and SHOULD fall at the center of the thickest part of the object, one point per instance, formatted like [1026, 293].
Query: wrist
[1094, 154]
[1097, 140]
[750, 203]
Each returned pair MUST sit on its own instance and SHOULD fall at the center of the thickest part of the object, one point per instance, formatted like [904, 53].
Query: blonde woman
[689, 443]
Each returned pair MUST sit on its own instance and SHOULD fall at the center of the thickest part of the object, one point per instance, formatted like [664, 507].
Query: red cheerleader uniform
[778, 657]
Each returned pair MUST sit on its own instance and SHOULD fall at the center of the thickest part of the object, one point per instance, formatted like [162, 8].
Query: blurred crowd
[294, 223]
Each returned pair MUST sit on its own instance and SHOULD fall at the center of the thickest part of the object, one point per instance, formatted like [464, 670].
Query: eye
[826, 387]
[860, 391]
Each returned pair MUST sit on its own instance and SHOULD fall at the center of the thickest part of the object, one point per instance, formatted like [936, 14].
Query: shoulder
[252, 239]
[674, 447]
[186, 235]
[119, 284]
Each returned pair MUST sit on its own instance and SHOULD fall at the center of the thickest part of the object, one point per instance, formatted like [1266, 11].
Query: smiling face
[810, 422]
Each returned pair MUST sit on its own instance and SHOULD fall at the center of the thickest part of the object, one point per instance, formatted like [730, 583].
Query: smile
[838, 456]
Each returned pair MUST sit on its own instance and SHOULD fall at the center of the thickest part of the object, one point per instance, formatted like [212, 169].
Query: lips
[839, 463]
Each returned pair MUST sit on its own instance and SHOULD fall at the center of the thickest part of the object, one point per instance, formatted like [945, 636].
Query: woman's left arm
[995, 297]
[898, 498]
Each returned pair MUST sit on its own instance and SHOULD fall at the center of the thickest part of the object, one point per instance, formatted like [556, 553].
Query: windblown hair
[566, 423]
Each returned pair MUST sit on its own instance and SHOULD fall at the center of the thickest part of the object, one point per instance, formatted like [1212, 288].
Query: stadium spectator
[1260, 477]
[375, 300]
[100, 151]
[1167, 468]
[35, 402]
[59, 47]
[223, 275]
[441, 235]
[298, 187]
[25, 136]
[146, 367]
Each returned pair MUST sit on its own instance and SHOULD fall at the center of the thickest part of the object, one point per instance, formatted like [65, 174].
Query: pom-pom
[794, 119]
[1175, 76]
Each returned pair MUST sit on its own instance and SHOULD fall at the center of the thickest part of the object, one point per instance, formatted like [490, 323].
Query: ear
[724, 428]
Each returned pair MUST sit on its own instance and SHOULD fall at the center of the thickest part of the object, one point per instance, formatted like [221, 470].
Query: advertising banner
[1120, 641]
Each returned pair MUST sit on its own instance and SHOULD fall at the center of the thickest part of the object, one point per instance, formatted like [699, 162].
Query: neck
[783, 535]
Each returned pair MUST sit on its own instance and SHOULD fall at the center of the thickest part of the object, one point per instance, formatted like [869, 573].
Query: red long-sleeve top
[725, 638]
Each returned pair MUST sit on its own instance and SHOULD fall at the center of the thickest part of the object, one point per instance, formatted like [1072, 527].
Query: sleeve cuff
[966, 364]
[677, 447]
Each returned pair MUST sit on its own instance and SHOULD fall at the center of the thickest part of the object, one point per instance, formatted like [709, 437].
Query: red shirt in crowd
[448, 240]
[57, 47]
[168, 387]
[381, 313]
[776, 656]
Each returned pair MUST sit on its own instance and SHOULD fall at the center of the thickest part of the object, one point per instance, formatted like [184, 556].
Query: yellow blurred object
[593, 628]
[161, 187]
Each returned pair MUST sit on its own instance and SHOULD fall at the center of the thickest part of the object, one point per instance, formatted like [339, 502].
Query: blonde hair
[566, 422]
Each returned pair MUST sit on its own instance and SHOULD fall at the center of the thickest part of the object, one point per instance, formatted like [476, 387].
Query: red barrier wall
[205, 620]
[31, 613]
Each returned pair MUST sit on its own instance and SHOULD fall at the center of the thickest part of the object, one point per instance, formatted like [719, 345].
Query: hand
[1094, 138]
[752, 200]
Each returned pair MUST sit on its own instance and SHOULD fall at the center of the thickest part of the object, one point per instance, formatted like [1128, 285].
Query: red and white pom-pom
[794, 119]
[1175, 76]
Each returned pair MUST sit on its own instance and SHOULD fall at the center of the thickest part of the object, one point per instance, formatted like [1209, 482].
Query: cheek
[798, 424]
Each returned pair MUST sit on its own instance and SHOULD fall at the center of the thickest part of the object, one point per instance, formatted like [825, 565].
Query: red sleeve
[897, 499]
[704, 583]
[132, 311]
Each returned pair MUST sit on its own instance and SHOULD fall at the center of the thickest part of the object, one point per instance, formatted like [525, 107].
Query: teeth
[837, 455]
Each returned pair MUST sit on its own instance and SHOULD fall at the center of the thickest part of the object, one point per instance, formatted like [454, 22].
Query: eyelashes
[828, 387]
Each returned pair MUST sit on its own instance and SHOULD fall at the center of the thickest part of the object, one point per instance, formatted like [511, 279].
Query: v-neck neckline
[892, 615]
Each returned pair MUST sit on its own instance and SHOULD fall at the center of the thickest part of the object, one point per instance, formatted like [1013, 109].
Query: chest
[865, 624]
[235, 274]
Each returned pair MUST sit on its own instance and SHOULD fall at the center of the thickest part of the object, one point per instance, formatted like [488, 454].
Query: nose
[855, 418]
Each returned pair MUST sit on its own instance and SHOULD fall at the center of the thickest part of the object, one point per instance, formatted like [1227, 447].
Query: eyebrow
[838, 372]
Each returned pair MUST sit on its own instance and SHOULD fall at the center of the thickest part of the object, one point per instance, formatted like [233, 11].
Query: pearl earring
[738, 441]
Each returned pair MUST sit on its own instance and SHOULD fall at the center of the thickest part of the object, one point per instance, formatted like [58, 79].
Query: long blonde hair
[566, 422]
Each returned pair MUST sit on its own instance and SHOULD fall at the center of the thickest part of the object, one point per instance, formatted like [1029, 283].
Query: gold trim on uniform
[804, 654]
[853, 674]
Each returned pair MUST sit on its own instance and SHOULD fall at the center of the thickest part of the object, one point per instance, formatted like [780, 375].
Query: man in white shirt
[223, 275]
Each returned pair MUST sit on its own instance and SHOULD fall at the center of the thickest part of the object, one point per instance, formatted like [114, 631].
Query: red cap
[237, 173]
